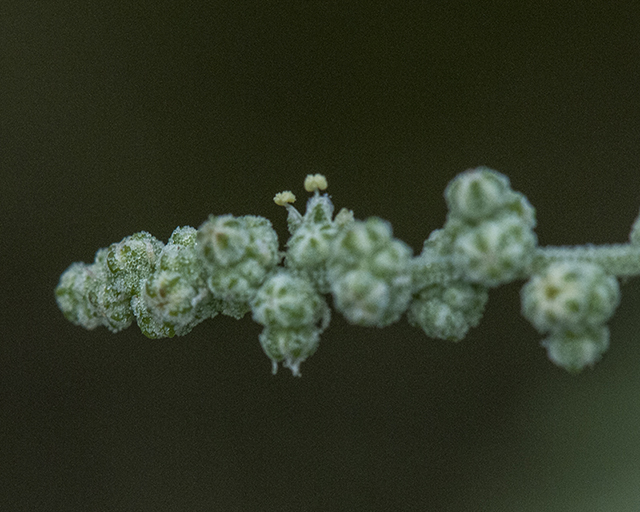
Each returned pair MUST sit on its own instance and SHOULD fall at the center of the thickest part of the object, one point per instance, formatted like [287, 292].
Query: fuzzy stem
[621, 260]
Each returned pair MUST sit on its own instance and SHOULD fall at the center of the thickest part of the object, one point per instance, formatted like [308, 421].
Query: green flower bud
[360, 241]
[476, 194]
[175, 298]
[309, 247]
[113, 306]
[288, 301]
[183, 236]
[179, 255]
[575, 349]
[517, 205]
[223, 240]
[132, 259]
[237, 254]
[370, 273]
[570, 294]
[110, 302]
[92, 295]
[361, 297]
[448, 312]
[71, 296]
[289, 346]
[173, 301]
[495, 252]
[290, 309]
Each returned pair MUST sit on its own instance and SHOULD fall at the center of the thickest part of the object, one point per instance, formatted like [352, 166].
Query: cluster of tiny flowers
[370, 274]
[290, 309]
[490, 228]
[232, 266]
[572, 301]
[488, 240]
[100, 293]
[237, 254]
[174, 298]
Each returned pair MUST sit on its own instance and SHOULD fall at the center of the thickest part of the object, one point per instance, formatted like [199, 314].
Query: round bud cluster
[131, 259]
[175, 297]
[572, 300]
[237, 254]
[309, 247]
[573, 350]
[72, 295]
[489, 230]
[101, 293]
[448, 312]
[570, 294]
[370, 273]
[495, 251]
[476, 194]
[293, 314]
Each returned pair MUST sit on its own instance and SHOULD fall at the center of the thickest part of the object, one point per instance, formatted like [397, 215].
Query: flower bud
[476, 194]
[288, 301]
[289, 346]
[570, 294]
[132, 259]
[370, 273]
[573, 350]
[448, 311]
[237, 254]
[495, 252]
[71, 296]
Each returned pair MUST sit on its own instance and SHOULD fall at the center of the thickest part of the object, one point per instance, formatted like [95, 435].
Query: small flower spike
[233, 265]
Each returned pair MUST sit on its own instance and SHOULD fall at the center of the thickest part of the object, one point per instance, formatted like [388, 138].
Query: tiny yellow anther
[315, 182]
[284, 198]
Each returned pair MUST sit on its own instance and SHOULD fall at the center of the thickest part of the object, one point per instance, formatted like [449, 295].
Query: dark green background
[116, 118]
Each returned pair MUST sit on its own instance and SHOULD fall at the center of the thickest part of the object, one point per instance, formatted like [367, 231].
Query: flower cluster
[232, 265]
[572, 300]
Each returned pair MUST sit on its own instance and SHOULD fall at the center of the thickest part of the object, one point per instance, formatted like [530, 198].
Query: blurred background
[121, 117]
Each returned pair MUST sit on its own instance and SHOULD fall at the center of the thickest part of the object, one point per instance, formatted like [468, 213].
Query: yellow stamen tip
[284, 198]
[315, 182]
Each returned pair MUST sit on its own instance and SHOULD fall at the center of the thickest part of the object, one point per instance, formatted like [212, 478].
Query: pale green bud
[184, 236]
[516, 204]
[176, 312]
[288, 301]
[476, 194]
[237, 254]
[309, 247]
[112, 304]
[92, 295]
[72, 296]
[361, 297]
[495, 252]
[179, 255]
[573, 350]
[361, 240]
[289, 346]
[448, 312]
[132, 259]
[175, 297]
[291, 310]
[370, 273]
[570, 294]
[223, 240]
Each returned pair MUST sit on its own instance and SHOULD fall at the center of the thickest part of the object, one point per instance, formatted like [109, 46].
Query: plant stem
[621, 260]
